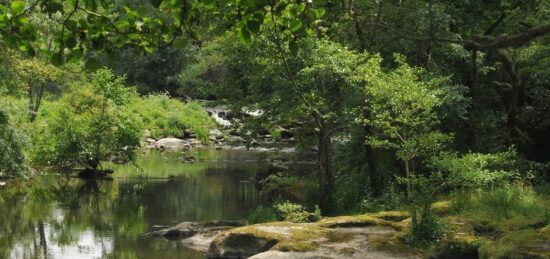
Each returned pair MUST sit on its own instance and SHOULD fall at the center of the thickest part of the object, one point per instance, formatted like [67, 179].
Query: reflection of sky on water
[87, 246]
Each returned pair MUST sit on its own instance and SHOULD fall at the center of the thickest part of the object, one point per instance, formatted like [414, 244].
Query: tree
[403, 114]
[312, 85]
[89, 125]
[36, 75]
[81, 27]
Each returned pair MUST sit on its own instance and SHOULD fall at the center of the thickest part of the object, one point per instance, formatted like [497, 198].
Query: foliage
[502, 206]
[262, 214]
[88, 125]
[391, 199]
[403, 109]
[11, 155]
[293, 212]
[478, 170]
[165, 117]
[156, 71]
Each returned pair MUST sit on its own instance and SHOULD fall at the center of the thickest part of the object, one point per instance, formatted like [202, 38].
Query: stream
[54, 216]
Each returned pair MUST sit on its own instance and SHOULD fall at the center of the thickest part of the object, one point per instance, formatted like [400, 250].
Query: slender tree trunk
[326, 177]
[31, 104]
[409, 193]
[34, 101]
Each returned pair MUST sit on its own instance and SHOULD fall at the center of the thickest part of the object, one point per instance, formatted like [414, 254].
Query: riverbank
[372, 235]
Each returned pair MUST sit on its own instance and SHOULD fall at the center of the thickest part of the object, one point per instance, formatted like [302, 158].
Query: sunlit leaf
[17, 7]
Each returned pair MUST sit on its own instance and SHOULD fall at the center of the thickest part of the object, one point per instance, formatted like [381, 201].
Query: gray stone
[170, 143]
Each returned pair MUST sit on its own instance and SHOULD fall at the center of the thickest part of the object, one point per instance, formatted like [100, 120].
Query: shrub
[476, 169]
[165, 117]
[293, 212]
[11, 156]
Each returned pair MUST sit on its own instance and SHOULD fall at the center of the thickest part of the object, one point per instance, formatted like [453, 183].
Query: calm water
[59, 217]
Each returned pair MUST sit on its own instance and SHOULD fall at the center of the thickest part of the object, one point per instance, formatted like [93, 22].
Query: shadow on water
[61, 217]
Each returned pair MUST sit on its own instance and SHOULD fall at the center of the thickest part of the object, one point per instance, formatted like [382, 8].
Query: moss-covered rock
[525, 243]
[384, 218]
[282, 236]
[335, 237]
[441, 208]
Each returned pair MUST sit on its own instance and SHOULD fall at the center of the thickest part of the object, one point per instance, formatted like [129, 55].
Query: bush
[478, 170]
[165, 117]
[293, 212]
[11, 156]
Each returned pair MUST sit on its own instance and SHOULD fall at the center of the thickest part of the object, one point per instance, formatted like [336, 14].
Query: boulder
[196, 235]
[189, 134]
[214, 134]
[309, 240]
[171, 143]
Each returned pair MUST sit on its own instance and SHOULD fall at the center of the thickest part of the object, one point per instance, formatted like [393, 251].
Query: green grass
[165, 117]
[503, 209]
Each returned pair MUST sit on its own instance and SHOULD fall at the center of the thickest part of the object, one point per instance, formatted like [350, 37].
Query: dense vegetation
[405, 102]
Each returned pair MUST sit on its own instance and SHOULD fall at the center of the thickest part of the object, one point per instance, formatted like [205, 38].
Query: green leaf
[320, 12]
[17, 7]
[295, 25]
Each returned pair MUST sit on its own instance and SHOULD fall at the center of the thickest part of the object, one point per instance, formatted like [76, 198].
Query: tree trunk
[31, 104]
[374, 176]
[409, 193]
[34, 101]
[326, 177]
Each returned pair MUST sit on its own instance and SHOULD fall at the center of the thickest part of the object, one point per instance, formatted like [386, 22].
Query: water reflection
[60, 217]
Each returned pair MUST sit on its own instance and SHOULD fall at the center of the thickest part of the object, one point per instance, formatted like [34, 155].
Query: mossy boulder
[335, 237]
[246, 241]
[188, 229]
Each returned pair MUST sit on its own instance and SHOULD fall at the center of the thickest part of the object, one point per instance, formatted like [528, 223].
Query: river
[54, 216]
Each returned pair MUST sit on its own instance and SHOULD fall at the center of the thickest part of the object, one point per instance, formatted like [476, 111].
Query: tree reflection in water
[62, 217]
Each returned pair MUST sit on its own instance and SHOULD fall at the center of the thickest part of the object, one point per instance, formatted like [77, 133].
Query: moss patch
[441, 208]
[284, 236]
[525, 243]
[355, 221]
